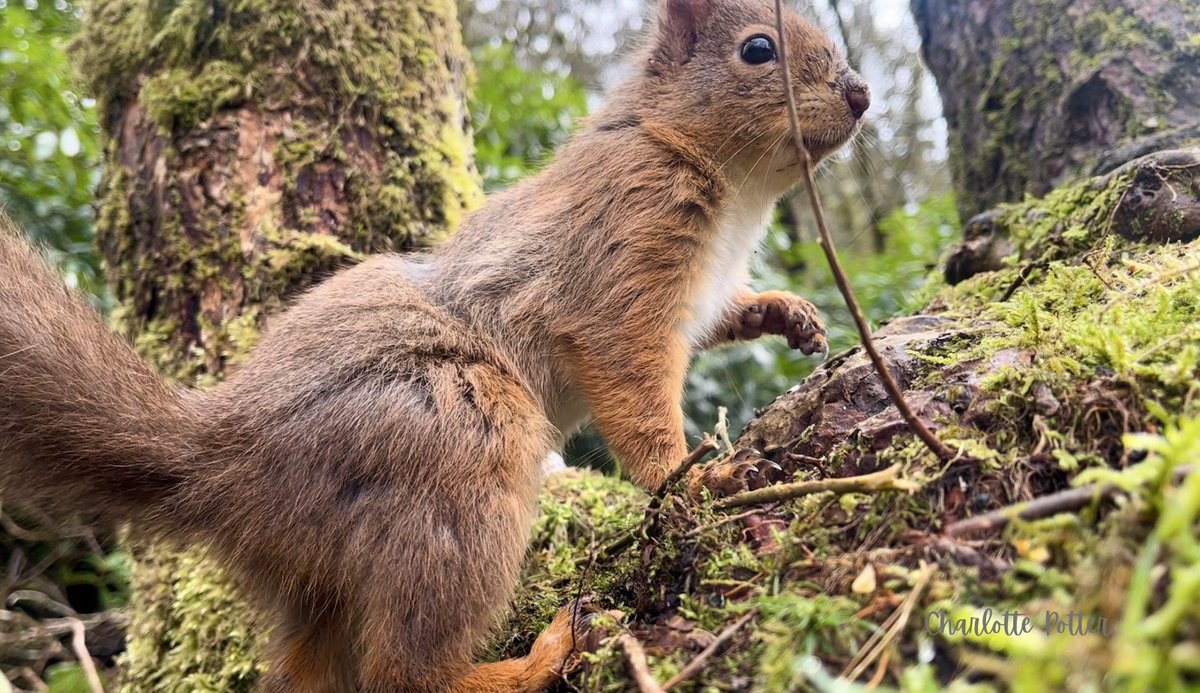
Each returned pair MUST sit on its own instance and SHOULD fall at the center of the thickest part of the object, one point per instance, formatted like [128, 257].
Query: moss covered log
[1041, 92]
[253, 147]
[1076, 362]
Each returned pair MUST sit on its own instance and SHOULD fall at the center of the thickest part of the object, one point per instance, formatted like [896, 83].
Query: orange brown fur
[370, 474]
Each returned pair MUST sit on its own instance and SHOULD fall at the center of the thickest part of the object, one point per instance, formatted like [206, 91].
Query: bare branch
[839, 275]
[697, 664]
[635, 662]
[884, 480]
[1042, 507]
[79, 645]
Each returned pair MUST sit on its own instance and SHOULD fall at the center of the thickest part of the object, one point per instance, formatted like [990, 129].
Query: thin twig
[1042, 507]
[884, 480]
[635, 661]
[893, 626]
[839, 275]
[968, 555]
[79, 645]
[1022, 276]
[697, 531]
[1036, 509]
[697, 664]
[41, 599]
[706, 446]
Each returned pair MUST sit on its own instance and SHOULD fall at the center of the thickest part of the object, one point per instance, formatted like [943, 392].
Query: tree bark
[253, 148]
[1037, 93]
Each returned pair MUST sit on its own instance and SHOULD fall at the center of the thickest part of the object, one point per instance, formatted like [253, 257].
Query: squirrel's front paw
[725, 476]
[786, 314]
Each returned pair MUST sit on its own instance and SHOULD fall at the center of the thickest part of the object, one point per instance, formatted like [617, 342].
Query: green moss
[178, 98]
[192, 632]
[578, 513]
[335, 72]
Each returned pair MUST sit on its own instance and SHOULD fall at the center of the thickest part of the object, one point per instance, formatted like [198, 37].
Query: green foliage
[797, 627]
[67, 677]
[49, 140]
[519, 116]
[1151, 652]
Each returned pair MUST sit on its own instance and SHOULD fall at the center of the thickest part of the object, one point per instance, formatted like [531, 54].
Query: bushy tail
[85, 425]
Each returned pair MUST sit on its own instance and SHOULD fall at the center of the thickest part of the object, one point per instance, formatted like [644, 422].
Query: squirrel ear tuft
[678, 30]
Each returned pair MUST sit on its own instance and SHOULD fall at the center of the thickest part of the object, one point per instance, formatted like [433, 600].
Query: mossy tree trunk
[1039, 92]
[255, 146]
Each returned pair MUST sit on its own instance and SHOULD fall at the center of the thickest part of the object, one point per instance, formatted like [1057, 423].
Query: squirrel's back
[85, 425]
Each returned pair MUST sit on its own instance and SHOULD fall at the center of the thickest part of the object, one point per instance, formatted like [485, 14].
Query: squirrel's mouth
[821, 145]
[829, 142]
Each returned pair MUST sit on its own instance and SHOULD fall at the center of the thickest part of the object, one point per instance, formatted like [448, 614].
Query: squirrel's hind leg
[554, 654]
[309, 654]
[441, 541]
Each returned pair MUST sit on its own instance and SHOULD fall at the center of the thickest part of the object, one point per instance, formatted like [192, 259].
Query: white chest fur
[726, 265]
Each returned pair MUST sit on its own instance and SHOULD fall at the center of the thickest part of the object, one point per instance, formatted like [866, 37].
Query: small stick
[968, 556]
[697, 664]
[1042, 507]
[1036, 509]
[884, 480]
[876, 646]
[79, 645]
[839, 275]
[692, 533]
[635, 661]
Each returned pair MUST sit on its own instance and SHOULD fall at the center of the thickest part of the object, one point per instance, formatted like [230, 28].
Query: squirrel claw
[725, 476]
[786, 314]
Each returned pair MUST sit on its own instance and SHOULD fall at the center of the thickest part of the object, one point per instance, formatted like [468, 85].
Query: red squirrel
[369, 475]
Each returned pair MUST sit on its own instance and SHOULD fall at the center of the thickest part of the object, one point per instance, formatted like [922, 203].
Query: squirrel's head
[713, 72]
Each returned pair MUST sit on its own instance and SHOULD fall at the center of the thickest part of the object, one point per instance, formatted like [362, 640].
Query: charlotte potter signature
[990, 622]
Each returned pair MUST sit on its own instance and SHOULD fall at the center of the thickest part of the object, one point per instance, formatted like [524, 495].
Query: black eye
[758, 50]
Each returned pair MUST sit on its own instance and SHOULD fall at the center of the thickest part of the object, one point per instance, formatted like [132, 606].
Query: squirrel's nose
[858, 95]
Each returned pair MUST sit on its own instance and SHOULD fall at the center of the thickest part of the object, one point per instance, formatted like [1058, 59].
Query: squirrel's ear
[678, 30]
